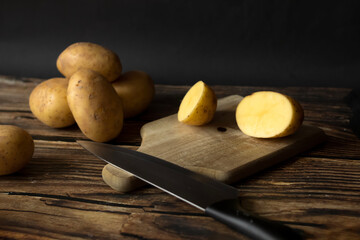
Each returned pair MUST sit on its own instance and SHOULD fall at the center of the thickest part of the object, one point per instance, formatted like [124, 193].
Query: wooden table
[60, 194]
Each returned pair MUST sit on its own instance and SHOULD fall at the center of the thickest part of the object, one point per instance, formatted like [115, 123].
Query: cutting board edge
[282, 154]
[131, 183]
[235, 173]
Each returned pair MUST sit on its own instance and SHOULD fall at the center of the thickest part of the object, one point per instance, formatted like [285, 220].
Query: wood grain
[60, 193]
[218, 149]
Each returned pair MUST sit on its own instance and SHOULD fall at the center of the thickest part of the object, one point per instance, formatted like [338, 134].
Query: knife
[215, 198]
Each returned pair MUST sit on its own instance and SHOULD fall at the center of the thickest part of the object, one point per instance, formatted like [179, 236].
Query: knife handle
[232, 214]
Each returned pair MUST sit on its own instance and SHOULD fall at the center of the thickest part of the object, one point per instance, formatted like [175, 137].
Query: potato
[96, 107]
[16, 149]
[198, 106]
[136, 90]
[267, 114]
[48, 103]
[90, 56]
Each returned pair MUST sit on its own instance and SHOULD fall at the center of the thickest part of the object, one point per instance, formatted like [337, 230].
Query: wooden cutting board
[219, 149]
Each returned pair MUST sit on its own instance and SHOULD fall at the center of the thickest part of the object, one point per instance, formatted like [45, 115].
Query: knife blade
[215, 198]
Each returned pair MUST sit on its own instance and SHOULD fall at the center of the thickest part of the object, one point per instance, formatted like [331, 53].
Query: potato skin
[49, 104]
[90, 56]
[96, 107]
[205, 112]
[16, 149]
[136, 90]
[297, 120]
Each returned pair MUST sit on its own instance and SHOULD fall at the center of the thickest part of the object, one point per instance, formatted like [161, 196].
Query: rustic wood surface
[218, 149]
[60, 194]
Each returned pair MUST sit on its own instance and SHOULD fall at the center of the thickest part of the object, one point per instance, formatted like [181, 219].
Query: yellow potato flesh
[269, 114]
[198, 106]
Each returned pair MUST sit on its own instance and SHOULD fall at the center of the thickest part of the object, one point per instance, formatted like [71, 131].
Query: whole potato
[136, 90]
[16, 149]
[90, 56]
[49, 104]
[96, 107]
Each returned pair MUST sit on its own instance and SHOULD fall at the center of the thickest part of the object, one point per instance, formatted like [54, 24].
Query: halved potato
[267, 114]
[198, 106]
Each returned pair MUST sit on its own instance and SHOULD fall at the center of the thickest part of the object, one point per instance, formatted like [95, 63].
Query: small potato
[198, 106]
[96, 107]
[136, 90]
[48, 103]
[90, 56]
[16, 149]
[267, 114]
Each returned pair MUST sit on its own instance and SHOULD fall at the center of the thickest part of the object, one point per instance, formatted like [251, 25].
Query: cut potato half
[198, 106]
[267, 114]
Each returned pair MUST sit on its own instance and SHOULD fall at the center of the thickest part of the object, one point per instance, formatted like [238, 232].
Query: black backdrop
[243, 42]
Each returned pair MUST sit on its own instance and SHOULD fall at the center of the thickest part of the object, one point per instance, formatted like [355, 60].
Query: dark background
[278, 43]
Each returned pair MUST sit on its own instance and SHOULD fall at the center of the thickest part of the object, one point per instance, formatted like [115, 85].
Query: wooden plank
[55, 218]
[60, 193]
